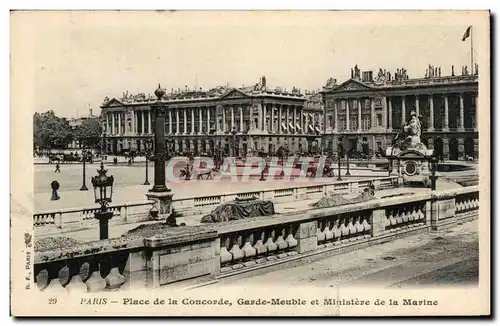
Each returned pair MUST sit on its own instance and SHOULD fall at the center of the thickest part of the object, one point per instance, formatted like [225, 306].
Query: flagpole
[471, 53]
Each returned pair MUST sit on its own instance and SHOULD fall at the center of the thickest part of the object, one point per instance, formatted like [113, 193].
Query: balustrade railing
[249, 247]
[251, 243]
[404, 216]
[343, 228]
[124, 212]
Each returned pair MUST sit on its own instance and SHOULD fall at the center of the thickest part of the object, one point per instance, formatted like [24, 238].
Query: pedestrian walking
[55, 187]
[58, 168]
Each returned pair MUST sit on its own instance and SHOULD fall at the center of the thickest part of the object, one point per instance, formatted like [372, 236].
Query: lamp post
[339, 150]
[85, 154]
[233, 132]
[149, 144]
[103, 192]
[347, 173]
[159, 109]
[433, 177]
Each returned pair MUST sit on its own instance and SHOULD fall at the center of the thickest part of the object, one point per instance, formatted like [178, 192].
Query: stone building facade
[239, 121]
[367, 111]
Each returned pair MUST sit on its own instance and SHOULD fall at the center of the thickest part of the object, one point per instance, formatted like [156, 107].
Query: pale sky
[82, 57]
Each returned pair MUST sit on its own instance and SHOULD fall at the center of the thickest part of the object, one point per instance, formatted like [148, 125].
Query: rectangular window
[379, 120]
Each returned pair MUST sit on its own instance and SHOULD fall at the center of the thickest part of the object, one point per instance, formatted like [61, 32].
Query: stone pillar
[307, 240]
[389, 102]
[431, 113]
[259, 123]
[287, 124]
[200, 122]
[143, 122]
[272, 118]
[119, 122]
[417, 105]
[232, 119]
[446, 125]
[475, 110]
[150, 131]
[113, 123]
[347, 113]
[359, 115]
[372, 113]
[461, 149]
[403, 110]
[384, 112]
[335, 116]
[107, 123]
[177, 122]
[241, 119]
[185, 121]
[295, 118]
[461, 113]
[476, 148]
[208, 120]
[280, 121]
[192, 121]
[223, 119]
[169, 121]
[264, 117]
[378, 222]
[446, 148]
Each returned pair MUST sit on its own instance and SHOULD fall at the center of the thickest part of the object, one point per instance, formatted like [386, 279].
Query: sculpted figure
[413, 130]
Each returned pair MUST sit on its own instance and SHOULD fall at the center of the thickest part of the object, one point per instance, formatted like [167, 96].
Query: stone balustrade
[208, 252]
[84, 217]
[139, 211]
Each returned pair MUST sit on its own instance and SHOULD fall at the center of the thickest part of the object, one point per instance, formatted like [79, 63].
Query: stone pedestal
[443, 211]
[306, 237]
[163, 202]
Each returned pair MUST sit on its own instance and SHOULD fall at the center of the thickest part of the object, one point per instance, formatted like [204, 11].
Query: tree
[89, 131]
[50, 131]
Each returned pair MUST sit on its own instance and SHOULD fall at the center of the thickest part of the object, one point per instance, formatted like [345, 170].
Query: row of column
[193, 112]
[117, 127]
[347, 104]
[431, 126]
[287, 115]
[388, 103]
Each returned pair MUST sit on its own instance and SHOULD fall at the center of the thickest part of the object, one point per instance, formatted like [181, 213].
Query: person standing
[58, 168]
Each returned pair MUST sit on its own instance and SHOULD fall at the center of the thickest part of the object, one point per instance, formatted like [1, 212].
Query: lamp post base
[84, 188]
[163, 201]
[103, 218]
[146, 183]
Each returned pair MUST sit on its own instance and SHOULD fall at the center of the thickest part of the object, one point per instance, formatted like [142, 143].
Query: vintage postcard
[250, 163]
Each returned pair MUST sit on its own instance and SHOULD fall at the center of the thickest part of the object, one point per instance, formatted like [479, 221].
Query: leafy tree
[50, 131]
[89, 132]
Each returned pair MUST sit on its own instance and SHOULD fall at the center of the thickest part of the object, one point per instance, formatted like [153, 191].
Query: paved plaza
[128, 185]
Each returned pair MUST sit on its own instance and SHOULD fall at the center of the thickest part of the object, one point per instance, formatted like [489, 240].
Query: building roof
[220, 92]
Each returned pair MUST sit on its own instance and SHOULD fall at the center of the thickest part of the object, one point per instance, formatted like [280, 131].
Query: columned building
[367, 112]
[238, 121]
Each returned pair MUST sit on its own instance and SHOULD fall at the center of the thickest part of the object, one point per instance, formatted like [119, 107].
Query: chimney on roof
[452, 71]
[90, 112]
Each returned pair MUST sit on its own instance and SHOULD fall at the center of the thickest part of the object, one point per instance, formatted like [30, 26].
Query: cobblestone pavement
[428, 259]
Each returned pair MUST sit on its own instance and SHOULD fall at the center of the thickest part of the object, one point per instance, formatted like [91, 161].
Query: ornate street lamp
[339, 150]
[159, 109]
[103, 193]
[148, 155]
[433, 167]
[347, 173]
[233, 132]
[85, 155]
